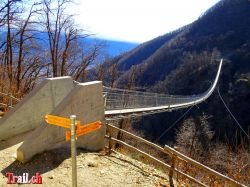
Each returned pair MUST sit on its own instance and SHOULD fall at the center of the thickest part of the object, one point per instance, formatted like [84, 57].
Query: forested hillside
[184, 61]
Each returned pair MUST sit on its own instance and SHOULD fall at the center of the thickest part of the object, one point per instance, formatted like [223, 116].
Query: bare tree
[61, 33]
[9, 13]
[194, 136]
[66, 53]
[86, 59]
[100, 72]
[24, 34]
[18, 56]
[9, 52]
[114, 73]
[132, 77]
[24, 58]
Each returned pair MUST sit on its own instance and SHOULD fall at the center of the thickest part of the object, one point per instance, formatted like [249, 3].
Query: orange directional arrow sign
[85, 129]
[59, 121]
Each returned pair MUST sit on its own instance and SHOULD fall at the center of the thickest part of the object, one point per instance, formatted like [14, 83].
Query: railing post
[123, 99]
[212, 181]
[105, 99]
[173, 164]
[171, 172]
[156, 100]
[109, 140]
[177, 162]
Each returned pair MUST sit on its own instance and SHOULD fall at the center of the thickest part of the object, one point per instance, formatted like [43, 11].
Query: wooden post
[122, 125]
[109, 140]
[212, 181]
[177, 163]
[171, 172]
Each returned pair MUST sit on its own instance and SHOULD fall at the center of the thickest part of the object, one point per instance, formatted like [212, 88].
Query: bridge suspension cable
[237, 122]
[170, 127]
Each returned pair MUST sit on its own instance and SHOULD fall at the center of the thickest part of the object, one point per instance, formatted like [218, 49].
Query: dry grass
[220, 157]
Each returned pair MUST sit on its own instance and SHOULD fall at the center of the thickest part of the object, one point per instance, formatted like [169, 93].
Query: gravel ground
[93, 169]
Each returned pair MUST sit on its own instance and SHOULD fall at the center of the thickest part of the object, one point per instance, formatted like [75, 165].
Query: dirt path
[94, 169]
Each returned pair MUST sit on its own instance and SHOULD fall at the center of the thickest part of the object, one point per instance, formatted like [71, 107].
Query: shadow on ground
[41, 163]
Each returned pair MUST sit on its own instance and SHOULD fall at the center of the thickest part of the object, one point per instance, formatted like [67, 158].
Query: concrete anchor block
[86, 102]
[29, 112]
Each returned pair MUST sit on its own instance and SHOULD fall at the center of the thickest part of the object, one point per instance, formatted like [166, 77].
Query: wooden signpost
[59, 121]
[76, 130]
[81, 130]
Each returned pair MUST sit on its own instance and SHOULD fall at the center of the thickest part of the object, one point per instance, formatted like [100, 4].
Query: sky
[136, 21]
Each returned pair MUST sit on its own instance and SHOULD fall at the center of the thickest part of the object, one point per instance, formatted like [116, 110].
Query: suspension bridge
[90, 102]
[120, 101]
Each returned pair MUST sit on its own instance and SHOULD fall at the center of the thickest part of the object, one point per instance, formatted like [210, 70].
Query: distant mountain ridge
[113, 47]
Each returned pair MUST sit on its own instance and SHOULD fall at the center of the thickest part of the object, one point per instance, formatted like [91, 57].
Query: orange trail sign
[59, 121]
[85, 129]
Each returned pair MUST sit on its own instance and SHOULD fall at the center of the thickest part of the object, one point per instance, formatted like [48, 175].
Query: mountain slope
[225, 27]
[144, 51]
[185, 61]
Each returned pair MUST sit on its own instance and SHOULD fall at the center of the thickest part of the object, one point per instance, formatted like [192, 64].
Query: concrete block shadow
[40, 163]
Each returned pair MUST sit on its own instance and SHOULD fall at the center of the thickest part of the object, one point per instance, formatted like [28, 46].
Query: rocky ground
[94, 169]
